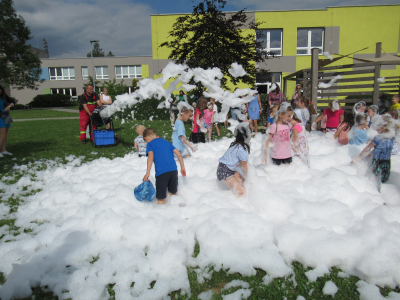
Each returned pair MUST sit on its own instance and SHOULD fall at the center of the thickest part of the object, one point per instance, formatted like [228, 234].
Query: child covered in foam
[299, 140]
[279, 135]
[358, 134]
[179, 135]
[333, 114]
[236, 156]
[382, 144]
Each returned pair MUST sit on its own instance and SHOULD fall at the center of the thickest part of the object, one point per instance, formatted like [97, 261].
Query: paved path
[61, 109]
[41, 119]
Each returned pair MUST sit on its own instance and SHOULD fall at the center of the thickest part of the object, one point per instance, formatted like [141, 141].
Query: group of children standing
[286, 135]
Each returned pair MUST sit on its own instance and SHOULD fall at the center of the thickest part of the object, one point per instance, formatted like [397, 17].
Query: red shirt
[332, 117]
[196, 127]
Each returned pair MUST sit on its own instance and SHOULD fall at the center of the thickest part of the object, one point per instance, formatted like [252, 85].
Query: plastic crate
[102, 138]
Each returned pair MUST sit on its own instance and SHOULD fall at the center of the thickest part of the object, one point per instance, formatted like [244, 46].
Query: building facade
[352, 31]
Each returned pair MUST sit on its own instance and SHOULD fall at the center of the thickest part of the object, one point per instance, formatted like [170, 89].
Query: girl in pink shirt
[299, 140]
[279, 135]
[333, 116]
[209, 119]
[344, 128]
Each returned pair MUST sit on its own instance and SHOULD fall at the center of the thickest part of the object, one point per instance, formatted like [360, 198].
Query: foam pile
[88, 230]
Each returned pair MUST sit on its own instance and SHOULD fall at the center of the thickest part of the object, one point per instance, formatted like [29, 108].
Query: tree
[20, 66]
[97, 51]
[110, 54]
[211, 38]
[114, 88]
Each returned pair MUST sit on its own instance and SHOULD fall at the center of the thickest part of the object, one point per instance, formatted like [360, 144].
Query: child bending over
[161, 152]
[140, 144]
[179, 135]
[382, 144]
[236, 155]
[279, 134]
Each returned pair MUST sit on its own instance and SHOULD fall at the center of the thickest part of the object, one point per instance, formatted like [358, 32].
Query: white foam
[330, 288]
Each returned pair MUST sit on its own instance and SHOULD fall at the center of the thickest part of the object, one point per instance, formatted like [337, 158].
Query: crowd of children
[286, 136]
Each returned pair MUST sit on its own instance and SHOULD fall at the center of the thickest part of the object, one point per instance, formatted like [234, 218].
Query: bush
[144, 110]
[51, 100]
[18, 106]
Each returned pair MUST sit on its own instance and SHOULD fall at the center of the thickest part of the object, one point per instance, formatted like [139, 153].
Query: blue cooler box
[104, 137]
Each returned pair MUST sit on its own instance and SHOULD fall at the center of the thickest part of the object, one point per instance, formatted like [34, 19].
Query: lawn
[40, 113]
[56, 139]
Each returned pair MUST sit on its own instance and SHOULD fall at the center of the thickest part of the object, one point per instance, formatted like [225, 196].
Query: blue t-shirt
[383, 147]
[360, 138]
[270, 120]
[179, 130]
[233, 156]
[163, 155]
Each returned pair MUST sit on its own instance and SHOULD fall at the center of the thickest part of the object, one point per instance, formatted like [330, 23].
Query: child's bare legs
[162, 201]
[235, 183]
[172, 118]
[255, 125]
[216, 127]
[209, 133]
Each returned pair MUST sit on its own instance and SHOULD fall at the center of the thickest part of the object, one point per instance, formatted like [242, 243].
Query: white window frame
[66, 73]
[132, 72]
[83, 75]
[309, 47]
[268, 42]
[102, 76]
[268, 84]
[62, 91]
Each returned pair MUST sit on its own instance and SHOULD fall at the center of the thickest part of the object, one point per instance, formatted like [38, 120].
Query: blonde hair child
[279, 135]
[179, 135]
[140, 144]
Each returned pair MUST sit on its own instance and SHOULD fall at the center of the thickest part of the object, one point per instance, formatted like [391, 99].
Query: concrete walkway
[61, 109]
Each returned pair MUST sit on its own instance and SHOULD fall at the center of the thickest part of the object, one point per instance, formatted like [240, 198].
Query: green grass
[41, 113]
[56, 139]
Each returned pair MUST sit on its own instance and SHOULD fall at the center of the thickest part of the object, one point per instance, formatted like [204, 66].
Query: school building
[350, 31]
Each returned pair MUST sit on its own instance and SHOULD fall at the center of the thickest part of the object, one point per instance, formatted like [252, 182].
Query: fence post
[375, 97]
[314, 80]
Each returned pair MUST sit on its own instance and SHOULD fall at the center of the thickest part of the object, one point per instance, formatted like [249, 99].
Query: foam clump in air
[324, 85]
[328, 55]
[237, 70]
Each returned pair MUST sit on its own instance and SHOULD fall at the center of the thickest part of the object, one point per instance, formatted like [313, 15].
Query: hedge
[51, 100]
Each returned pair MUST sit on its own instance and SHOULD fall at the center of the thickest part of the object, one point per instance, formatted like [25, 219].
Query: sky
[123, 26]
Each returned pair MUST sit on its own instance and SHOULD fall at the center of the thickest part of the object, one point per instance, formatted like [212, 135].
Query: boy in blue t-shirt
[179, 136]
[161, 152]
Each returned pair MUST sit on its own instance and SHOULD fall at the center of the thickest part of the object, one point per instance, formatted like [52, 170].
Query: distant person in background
[4, 108]
[174, 106]
[140, 144]
[274, 96]
[88, 102]
[296, 95]
[106, 100]
[215, 109]
[197, 136]
[334, 116]
[254, 109]
[395, 102]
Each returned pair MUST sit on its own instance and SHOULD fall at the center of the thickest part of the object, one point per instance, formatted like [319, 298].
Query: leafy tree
[90, 81]
[97, 51]
[110, 54]
[211, 38]
[20, 66]
[135, 85]
[114, 88]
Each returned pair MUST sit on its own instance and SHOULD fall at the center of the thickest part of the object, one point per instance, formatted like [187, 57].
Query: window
[65, 91]
[128, 71]
[85, 73]
[271, 40]
[308, 39]
[102, 72]
[264, 83]
[64, 73]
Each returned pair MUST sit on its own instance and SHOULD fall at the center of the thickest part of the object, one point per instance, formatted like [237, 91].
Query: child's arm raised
[180, 158]
[150, 159]
[337, 133]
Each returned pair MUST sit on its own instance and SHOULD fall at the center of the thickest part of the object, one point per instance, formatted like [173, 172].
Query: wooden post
[375, 97]
[305, 84]
[314, 77]
[284, 86]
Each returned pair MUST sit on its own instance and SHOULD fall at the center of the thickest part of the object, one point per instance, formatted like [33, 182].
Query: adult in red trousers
[89, 101]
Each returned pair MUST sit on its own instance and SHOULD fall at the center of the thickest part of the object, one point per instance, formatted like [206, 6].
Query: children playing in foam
[86, 236]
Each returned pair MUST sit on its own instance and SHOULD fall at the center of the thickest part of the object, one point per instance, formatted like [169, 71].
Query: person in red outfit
[89, 101]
